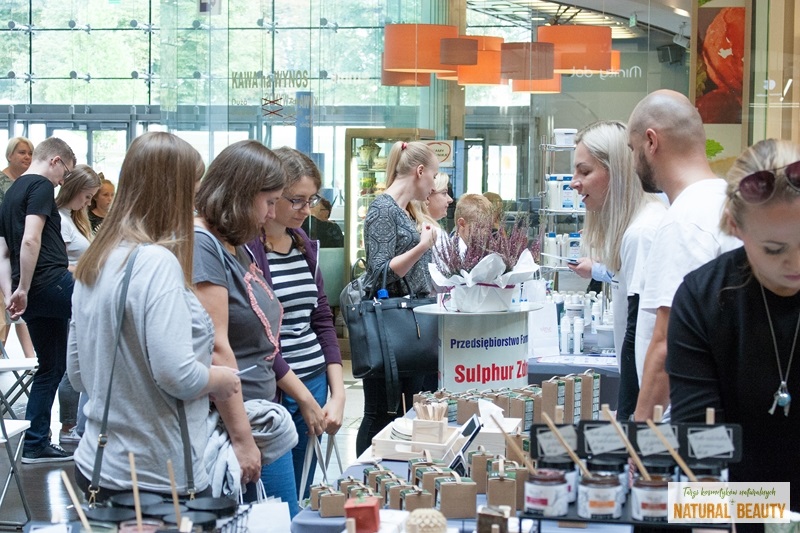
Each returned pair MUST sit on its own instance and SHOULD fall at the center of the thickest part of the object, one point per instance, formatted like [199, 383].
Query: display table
[482, 350]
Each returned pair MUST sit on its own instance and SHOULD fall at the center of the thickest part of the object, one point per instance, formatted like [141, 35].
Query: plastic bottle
[608, 318]
[577, 336]
[553, 193]
[573, 246]
[566, 335]
[596, 317]
[587, 309]
[567, 194]
[550, 247]
[560, 250]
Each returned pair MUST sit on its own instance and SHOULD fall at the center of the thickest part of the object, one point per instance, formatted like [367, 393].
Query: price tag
[710, 442]
[649, 443]
[549, 444]
[603, 439]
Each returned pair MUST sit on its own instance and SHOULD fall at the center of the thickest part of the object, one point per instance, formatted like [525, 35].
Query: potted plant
[482, 272]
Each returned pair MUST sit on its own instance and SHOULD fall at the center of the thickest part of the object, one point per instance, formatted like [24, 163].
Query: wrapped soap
[381, 480]
[456, 496]
[466, 407]
[478, 460]
[420, 462]
[372, 472]
[490, 515]
[331, 504]
[426, 476]
[344, 483]
[366, 512]
[415, 498]
[391, 493]
[315, 491]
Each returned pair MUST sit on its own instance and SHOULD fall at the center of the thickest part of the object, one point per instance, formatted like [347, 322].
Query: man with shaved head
[668, 141]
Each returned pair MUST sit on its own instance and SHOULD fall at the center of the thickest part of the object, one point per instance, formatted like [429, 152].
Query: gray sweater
[165, 350]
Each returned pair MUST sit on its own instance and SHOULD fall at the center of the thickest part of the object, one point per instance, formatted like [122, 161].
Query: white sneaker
[69, 438]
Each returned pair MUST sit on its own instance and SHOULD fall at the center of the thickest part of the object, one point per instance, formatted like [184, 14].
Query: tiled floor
[45, 491]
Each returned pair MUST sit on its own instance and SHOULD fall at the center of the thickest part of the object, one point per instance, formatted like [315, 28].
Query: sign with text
[483, 351]
[723, 503]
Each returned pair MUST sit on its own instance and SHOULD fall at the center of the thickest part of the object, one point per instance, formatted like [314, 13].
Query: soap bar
[366, 512]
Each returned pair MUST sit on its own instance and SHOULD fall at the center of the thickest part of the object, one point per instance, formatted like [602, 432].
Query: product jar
[612, 466]
[546, 493]
[649, 499]
[598, 497]
[565, 464]
[706, 470]
[660, 466]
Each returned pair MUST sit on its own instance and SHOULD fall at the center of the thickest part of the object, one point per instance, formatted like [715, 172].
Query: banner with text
[723, 503]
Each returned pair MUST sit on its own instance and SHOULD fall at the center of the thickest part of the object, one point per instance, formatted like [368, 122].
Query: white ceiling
[664, 15]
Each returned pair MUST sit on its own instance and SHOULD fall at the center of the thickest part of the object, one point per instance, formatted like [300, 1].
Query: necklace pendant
[781, 398]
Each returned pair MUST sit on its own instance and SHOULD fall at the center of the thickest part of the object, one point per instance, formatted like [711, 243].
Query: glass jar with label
[649, 499]
[715, 471]
[612, 465]
[660, 466]
[565, 464]
[546, 493]
[598, 497]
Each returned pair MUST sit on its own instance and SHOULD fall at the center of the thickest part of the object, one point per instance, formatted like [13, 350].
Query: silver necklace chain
[781, 397]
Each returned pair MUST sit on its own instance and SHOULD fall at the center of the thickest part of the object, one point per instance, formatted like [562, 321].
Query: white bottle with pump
[577, 336]
[596, 317]
[566, 335]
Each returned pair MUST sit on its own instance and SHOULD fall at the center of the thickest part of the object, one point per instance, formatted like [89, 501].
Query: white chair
[10, 428]
[20, 371]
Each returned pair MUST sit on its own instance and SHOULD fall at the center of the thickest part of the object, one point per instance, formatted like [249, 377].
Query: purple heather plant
[482, 241]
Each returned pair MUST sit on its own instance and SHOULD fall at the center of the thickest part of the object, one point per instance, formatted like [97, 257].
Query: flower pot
[483, 298]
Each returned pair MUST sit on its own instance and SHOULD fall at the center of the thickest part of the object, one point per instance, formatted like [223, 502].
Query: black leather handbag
[389, 339]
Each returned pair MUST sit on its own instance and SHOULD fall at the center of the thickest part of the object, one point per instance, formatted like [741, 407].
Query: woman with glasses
[290, 263]
[237, 196]
[735, 321]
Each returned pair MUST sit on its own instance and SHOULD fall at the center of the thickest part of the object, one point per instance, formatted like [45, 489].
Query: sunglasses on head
[758, 187]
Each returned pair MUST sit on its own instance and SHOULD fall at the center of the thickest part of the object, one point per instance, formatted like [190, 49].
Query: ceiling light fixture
[416, 47]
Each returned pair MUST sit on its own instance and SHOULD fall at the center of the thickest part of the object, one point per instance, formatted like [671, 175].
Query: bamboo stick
[570, 452]
[672, 452]
[628, 446]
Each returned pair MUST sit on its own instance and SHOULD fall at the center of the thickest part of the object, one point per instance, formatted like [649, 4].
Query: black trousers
[628, 380]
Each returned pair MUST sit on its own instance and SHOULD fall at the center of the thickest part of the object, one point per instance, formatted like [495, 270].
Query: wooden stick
[570, 452]
[628, 446]
[403, 399]
[75, 502]
[137, 504]
[672, 452]
[515, 448]
[658, 413]
[711, 415]
[174, 491]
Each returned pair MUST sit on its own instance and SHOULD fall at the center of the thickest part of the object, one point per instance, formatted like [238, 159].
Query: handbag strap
[390, 372]
[382, 277]
[313, 448]
[102, 438]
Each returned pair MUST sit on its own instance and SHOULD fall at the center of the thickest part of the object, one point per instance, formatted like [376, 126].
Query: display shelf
[548, 211]
[557, 147]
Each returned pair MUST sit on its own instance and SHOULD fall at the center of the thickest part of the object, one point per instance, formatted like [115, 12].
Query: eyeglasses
[299, 203]
[66, 168]
[758, 187]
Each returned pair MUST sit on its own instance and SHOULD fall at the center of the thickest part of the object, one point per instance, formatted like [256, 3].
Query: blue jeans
[318, 387]
[68, 400]
[48, 313]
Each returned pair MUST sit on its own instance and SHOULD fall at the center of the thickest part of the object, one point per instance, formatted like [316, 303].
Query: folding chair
[22, 370]
[10, 428]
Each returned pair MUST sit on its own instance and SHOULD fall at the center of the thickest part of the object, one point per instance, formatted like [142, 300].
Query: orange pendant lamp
[527, 61]
[578, 48]
[459, 51]
[550, 86]
[616, 62]
[416, 47]
[487, 69]
[404, 79]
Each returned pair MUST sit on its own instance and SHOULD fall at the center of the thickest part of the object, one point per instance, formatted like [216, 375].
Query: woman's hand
[583, 267]
[313, 415]
[249, 457]
[427, 236]
[222, 382]
[334, 414]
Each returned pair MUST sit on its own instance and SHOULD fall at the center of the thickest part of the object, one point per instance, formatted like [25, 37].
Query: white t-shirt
[688, 237]
[633, 254]
[74, 239]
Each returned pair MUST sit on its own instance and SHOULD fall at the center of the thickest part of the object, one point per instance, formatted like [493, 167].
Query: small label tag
[550, 445]
[603, 439]
[710, 442]
[650, 444]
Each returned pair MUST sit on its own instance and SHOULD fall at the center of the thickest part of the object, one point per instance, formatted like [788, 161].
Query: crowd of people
[707, 294]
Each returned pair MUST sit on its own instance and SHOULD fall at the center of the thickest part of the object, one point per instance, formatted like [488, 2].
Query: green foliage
[713, 148]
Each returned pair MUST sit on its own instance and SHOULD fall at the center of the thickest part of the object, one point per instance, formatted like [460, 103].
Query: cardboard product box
[315, 492]
[331, 504]
[426, 476]
[391, 493]
[552, 395]
[466, 407]
[372, 472]
[456, 497]
[501, 400]
[523, 442]
[492, 439]
[353, 491]
[520, 475]
[501, 489]
[535, 392]
[366, 512]
[490, 515]
[573, 397]
[521, 406]
[590, 395]
[346, 483]
[478, 460]
[421, 462]
[415, 498]
[382, 480]
[422, 397]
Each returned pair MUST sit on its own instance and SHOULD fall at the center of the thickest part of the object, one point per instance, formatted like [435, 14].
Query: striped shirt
[293, 284]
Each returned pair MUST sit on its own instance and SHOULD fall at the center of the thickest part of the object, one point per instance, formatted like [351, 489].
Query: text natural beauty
[718, 511]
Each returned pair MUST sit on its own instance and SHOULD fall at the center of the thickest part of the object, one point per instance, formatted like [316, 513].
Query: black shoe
[52, 453]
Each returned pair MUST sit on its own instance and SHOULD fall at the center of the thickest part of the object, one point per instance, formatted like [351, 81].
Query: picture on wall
[720, 64]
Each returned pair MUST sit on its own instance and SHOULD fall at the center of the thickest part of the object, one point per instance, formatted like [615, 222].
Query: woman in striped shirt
[289, 260]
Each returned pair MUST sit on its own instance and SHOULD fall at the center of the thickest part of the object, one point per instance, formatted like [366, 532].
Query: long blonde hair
[82, 178]
[440, 183]
[153, 205]
[403, 158]
[607, 141]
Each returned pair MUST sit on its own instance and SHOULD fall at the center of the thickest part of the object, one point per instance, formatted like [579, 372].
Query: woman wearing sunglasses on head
[734, 324]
